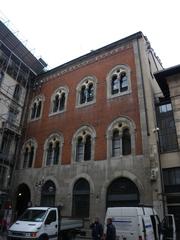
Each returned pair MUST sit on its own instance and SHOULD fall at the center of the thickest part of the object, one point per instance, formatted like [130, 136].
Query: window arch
[59, 100]
[126, 142]
[81, 198]
[121, 138]
[36, 108]
[122, 192]
[118, 81]
[48, 194]
[116, 143]
[86, 91]
[28, 153]
[83, 144]
[52, 149]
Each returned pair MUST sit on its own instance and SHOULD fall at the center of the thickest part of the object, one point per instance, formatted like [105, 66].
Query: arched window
[56, 152]
[28, 153]
[83, 148]
[49, 159]
[118, 81]
[90, 93]
[126, 142]
[59, 100]
[28, 157]
[123, 82]
[36, 108]
[52, 149]
[31, 156]
[56, 103]
[114, 84]
[121, 142]
[62, 101]
[121, 138]
[83, 144]
[48, 194]
[116, 143]
[83, 94]
[86, 91]
[79, 150]
[87, 148]
[122, 192]
[81, 199]
[33, 110]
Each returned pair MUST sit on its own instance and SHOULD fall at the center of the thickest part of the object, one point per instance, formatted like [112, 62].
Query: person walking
[97, 229]
[110, 230]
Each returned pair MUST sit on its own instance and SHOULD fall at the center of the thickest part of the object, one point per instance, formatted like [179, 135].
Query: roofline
[161, 77]
[168, 72]
[136, 35]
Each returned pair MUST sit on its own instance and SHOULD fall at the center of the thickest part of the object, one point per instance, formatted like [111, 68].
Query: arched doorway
[81, 198]
[48, 194]
[122, 192]
[23, 198]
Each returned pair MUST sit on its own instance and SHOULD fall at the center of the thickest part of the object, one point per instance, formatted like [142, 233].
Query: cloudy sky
[61, 30]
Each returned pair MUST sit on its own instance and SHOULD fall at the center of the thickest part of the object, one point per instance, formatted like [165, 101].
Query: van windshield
[33, 215]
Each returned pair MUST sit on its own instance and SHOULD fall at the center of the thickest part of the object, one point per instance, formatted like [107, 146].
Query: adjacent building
[168, 122]
[18, 68]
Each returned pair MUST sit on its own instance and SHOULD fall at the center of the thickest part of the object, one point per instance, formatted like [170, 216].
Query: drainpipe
[160, 170]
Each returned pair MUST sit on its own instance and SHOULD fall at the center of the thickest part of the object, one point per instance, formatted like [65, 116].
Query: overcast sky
[61, 30]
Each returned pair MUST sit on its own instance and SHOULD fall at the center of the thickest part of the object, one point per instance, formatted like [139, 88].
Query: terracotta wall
[99, 114]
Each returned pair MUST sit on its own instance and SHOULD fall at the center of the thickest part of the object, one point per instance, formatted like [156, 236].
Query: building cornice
[87, 59]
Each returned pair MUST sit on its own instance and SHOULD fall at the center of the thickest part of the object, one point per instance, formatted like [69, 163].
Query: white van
[168, 227]
[43, 223]
[134, 223]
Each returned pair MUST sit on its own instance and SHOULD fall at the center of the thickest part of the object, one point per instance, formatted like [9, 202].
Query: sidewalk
[3, 235]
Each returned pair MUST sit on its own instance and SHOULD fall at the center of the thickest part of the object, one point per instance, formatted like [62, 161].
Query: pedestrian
[110, 230]
[97, 229]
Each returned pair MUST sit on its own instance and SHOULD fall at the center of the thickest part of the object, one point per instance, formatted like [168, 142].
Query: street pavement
[3, 236]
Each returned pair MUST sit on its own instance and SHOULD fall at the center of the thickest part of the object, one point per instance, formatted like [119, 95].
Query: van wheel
[44, 237]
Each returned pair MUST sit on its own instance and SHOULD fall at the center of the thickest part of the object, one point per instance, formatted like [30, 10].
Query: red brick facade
[99, 115]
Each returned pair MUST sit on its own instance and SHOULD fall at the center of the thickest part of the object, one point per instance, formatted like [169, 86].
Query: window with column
[28, 153]
[118, 81]
[86, 91]
[59, 100]
[121, 138]
[36, 108]
[52, 150]
[83, 144]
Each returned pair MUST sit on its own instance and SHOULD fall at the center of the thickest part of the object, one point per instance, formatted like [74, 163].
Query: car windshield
[33, 215]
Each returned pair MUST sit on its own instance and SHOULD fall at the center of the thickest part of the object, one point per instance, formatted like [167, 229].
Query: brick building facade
[89, 139]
